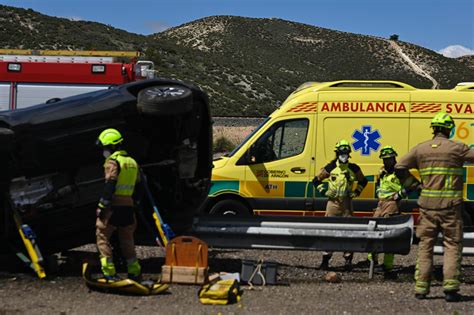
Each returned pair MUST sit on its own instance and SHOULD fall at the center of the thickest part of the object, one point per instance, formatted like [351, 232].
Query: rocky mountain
[247, 65]
[467, 60]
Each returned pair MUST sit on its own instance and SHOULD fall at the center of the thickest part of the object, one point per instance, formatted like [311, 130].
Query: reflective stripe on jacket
[389, 185]
[127, 173]
[440, 163]
[340, 181]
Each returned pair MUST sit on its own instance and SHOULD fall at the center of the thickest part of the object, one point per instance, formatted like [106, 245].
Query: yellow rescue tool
[127, 286]
[29, 240]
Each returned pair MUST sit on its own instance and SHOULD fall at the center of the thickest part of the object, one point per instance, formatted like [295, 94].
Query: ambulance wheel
[166, 100]
[230, 207]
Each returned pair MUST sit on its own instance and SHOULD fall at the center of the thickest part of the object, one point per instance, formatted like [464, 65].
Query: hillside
[467, 60]
[27, 29]
[248, 66]
[251, 65]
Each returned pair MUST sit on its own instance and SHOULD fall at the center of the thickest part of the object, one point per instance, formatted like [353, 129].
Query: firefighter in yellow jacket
[440, 164]
[115, 211]
[389, 193]
[341, 176]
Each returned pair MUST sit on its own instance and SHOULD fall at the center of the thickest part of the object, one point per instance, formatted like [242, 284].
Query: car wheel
[165, 100]
[230, 207]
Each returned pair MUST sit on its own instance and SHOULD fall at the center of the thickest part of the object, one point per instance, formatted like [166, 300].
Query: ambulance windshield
[248, 137]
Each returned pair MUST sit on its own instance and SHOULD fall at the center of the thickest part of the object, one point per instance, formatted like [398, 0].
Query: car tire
[166, 100]
[230, 207]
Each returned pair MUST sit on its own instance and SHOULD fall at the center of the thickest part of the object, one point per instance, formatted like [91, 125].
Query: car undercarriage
[52, 172]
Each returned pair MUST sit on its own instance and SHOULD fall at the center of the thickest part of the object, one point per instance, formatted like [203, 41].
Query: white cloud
[455, 51]
[157, 26]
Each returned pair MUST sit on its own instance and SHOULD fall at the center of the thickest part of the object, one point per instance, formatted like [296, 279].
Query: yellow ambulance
[271, 171]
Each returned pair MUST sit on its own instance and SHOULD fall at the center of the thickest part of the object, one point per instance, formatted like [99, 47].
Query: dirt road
[302, 289]
[416, 68]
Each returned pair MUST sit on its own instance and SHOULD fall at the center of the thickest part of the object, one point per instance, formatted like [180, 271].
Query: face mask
[106, 153]
[389, 164]
[343, 158]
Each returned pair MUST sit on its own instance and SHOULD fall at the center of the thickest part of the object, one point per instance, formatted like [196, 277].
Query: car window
[284, 139]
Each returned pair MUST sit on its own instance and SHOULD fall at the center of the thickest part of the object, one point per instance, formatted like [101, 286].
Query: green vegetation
[222, 144]
[248, 66]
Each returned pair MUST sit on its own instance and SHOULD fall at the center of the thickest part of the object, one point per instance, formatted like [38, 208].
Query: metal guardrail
[467, 243]
[378, 235]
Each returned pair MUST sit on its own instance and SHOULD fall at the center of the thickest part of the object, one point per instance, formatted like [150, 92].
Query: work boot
[325, 263]
[383, 268]
[390, 275]
[452, 296]
[420, 296]
[348, 264]
[136, 278]
[134, 270]
[379, 268]
[108, 268]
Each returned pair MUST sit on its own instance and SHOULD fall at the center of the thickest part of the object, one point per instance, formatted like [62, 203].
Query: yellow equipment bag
[220, 292]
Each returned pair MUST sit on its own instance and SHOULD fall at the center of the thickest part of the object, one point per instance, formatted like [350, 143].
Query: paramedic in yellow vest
[341, 176]
[116, 207]
[440, 164]
[390, 193]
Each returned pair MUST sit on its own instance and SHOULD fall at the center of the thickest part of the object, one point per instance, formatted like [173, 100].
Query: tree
[394, 37]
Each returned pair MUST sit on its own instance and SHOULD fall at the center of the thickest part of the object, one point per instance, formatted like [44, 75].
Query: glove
[101, 206]
[399, 195]
[354, 194]
[321, 188]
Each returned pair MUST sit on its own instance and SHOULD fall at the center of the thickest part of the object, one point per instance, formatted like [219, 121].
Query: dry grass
[234, 133]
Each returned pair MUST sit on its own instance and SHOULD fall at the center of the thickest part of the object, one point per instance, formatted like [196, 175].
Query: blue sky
[434, 24]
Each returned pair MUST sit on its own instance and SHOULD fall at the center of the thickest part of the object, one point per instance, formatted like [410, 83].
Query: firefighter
[440, 164]
[116, 207]
[341, 176]
[389, 193]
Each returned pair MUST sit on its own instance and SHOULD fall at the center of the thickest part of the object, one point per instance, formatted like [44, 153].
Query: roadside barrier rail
[377, 235]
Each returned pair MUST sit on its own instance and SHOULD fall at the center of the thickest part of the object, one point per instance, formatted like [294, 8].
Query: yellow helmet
[109, 137]
[442, 120]
[343, 146]
[387, 152]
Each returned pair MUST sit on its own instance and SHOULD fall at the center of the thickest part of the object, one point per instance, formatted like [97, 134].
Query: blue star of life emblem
[366, 140]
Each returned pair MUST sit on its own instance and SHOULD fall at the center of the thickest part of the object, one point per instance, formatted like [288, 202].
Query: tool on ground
[28, 236]
[186, 261]
[119, 285]
[258, 272]
[164, 229]
[151, 230]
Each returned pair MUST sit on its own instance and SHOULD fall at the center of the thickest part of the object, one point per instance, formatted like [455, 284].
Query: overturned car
[52, 173]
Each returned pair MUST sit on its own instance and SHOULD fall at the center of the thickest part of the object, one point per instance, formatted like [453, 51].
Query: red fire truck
[30, 77]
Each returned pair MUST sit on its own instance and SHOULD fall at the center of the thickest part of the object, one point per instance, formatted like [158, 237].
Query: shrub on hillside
[222, 144]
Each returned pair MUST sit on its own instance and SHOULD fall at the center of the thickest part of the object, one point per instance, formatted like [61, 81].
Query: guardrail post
[371, 227]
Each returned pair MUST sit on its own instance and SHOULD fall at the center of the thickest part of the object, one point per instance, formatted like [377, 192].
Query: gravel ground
[302, 288]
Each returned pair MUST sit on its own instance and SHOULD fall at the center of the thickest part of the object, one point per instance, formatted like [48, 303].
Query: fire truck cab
[29, 77]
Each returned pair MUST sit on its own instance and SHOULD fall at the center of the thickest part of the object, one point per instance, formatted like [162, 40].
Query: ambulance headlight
[98, 68]
[14, 67]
